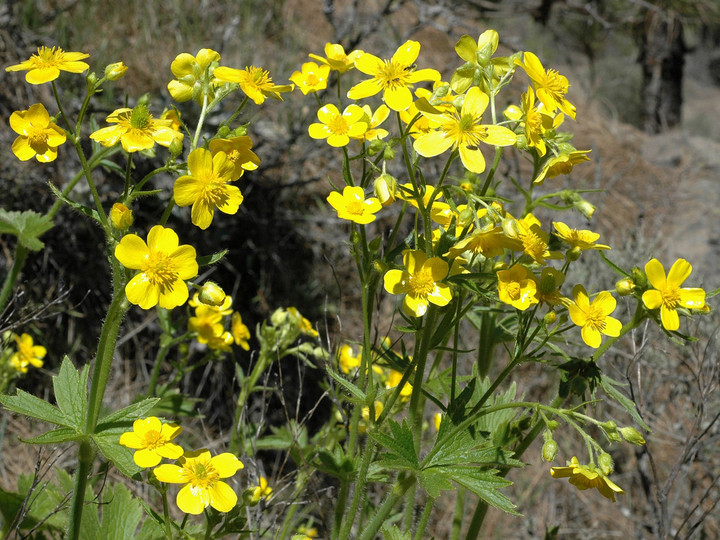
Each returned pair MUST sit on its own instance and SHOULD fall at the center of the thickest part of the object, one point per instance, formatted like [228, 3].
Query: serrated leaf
[89, 212]
[109, 445]
[34, 407]
[434, 481]
[70, 388]
[28, 226]
[353, 390]
[55, 436]
[609, 385]
[482, 482]
[206, 260]
[121, 514]
[127, 415]
[394, 533]
[399, 444]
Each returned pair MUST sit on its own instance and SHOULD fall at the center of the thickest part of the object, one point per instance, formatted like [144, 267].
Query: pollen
[339, 125]
[140, 117]
[392, 75]
[202, 474]
[160, 270]
[670, 296]
[153, 439]
[421, 283]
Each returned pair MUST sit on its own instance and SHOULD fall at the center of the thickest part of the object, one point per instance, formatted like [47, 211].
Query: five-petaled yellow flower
[206, 188]
[38, 136]
[393, 77]
[561, 164]
[254, 81]
[587, 477]
[594, 318]
[261, 491]
[419, 282]
[580, 239]
[240, 332]
[353, 206]
[517, 287]
[336, 57]
[164, 266]
[202, 476]
[311, 77]
[238, 150]
[550, 86]
[666, 293]
[537, 122]
[28, 354]
[463, 131]
[338, 127]
[192, 75]
[150, 439]
[136, 129]
[46, 65]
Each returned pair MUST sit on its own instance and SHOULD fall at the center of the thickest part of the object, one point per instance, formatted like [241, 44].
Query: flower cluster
[208, 323]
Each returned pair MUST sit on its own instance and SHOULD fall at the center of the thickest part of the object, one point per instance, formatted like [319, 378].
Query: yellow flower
[537, 121]
[28, 354]
[192, 75]
[378, 409]
[305, 325]
[164, 266]
[666, 293]
[238, 150]
[240, 332]
[202, 476]
[121, 216]
[39, 137]
[489, 242]
[136, 129]
[393, 77]
[517, 287]
[151, 440]
[373, 120]
[463, 131]
[594, 318]
[580, 239]
[587, 477]
[308, 531]
[206, 187]
[548, 288]
[336, 57]
[550, 86]
[347, 360]
[254, 81]
[394, 379]
[45, 66]
[207, 323]
[261, 491]
[311, 78]
[337, 128]
[534, 240]
[406, 192]
[474, 53]
[419, 282]
[115, 71]
[562, 164]
[353, 206]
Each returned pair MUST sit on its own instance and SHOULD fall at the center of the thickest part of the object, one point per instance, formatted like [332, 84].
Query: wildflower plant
[467, 291]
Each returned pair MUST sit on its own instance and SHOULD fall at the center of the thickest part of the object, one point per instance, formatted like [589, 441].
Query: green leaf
[34, 407]
[206, 260]
[126, 416]
[353, 390]
[28, 226]
[394, 533]
[109, 445]
[609, 386]
[121, 514]
[71, 393]
[483, 483]
[89, 212]
[399, 444]
[55, 436]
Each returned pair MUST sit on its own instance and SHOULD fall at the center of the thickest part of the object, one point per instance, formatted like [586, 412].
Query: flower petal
[655, 273]
[226, 464]
[679, 272]
[193, 500]
[670, 318]
[132, 252]
[170, 474]
[222, 497]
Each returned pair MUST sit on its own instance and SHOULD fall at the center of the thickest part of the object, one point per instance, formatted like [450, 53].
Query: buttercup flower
[587, 477]
[164, 266]
[561, 164]
[517, 287]
[336, 57]
[353, 206]
[337, 128]
[548, 288]
[239, 331]
[192, 74]
[306, 326]
[121, 216]
[534, 240]
[238, 150]
[202, 476]
[489, 242]
[393, 77]
[471, 52]
[419, 282]
[46, 65]
[347, 360]
[550, 86]
[254, 81]
[150, 438]
[594, 318]
[206, 188]
[463, 131]
[136, 129]
[261, 491]
[666, 293]
[207, 322]
[311, 78]
[28, 354]
[373, 120]
[39, 137]
[581, 239]
[394, 379]
[537, 121]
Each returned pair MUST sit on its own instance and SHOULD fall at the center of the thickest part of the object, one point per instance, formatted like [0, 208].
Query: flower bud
[121, 216]
[573, 254]
[549, 450]
[176, 147]
[240, 131]
[467, 187]
[212, 294]
[585, 208]
[385, 187]
[388, 153]
[632, 435]
[639, 278]
[624, 287]
[91, 80]
[223, 132]
[605, 462]
[510, 228]
[550, 317]
[115, 71]
[375, 146]
[552, 425]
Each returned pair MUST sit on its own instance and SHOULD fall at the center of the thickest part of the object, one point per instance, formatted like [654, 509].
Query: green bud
[625, 287]
[550, 317]
[355, 237]
[144, 100]
[573, 254]
[632, 435]
[224, 132]
[240, 131]
[552, 425]
[605, 462]
[91, 80]
[388, 153]
[115, 71]
[211, 294]
[639, 278]
[176, 147]
[375, 146]
[549, 450]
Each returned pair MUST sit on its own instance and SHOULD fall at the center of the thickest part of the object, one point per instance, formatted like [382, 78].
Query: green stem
[395, 495]
[491, 172]
[201, 120]
[458, 514]
[21, 253]
[420, 532]
[85, 460]
[166, 515]
[359, 490]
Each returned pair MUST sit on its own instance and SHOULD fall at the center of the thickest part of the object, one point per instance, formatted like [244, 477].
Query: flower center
[555, 83]
[392, 75]
[533, 245]
[355, 208]
[312, 80]
[670, 296]
[513, 289]
[259, 78]
[153, 439]
[140, 117]
[421, 283]
[37, 137]
[595, 318]
[201, 474]
[338, 125]
[46, 57]
[160, 270]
